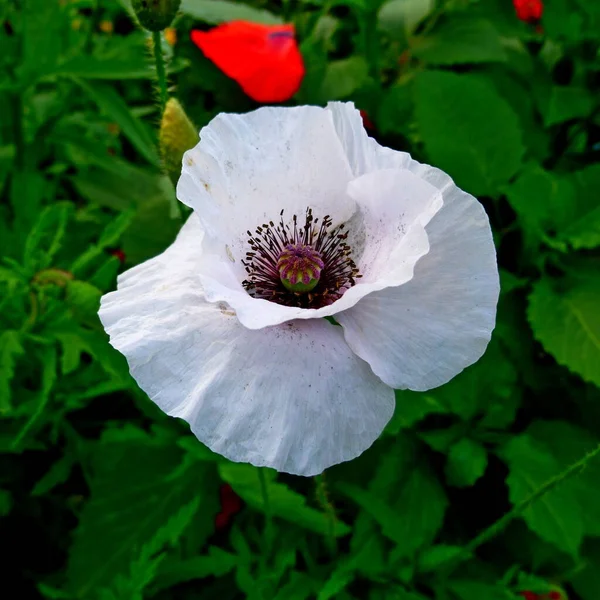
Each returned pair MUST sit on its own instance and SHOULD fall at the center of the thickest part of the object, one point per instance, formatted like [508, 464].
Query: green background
[103, 497]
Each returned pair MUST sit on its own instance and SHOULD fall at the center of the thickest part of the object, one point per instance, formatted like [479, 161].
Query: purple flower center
[308, 266]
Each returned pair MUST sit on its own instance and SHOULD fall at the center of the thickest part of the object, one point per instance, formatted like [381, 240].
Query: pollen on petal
[263, 59]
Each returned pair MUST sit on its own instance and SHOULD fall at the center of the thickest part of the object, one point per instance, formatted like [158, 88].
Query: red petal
[230, 501]
[263, 59]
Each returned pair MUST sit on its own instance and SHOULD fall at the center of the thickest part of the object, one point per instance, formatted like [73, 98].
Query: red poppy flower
[263, 59]
[368, 124]
[529, 11]
[231, 504]
[118, 253]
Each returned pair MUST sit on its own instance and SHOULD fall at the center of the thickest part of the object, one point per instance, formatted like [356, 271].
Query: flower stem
[327, 506]
[160, 70]
[268, 516]
[501, 524]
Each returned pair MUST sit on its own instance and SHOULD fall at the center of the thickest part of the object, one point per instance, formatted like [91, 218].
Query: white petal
[249, 167]
[421, 334]
[293, 397]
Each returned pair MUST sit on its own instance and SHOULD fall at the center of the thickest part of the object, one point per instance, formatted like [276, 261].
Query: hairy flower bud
[155, 15]
[176, 135]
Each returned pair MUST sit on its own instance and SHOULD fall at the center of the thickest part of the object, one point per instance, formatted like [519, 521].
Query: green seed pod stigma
[155, 15]
[299, 268]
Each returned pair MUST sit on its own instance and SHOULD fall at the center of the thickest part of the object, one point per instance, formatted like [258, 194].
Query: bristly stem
[503, 522]
[328, 509]
[268, 516]
[160, 70]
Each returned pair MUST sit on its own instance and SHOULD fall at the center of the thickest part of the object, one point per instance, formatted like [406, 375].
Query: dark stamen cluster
[270, 241]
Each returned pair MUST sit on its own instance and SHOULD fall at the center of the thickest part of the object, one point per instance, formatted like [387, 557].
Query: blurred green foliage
[103, 497]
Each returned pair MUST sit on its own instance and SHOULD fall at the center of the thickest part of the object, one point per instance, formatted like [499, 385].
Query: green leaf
[582, 221]
[566, 103]
[46, 237]
[284, 502]
[467, 461]
[221, 11]
[400, 18]
[555, 517]
[58, 473]
[10, 349]
[109, 237]
[468, 130]
[475, 590]
[460, 40]
[343, 77]
[541, 200]
[6, 502]
[109, 101]
[431, 558]
[587, 581]
[174, 570]
[407, 520]
[137, 486]
[84, 299]
[568, 443]
[567, 323]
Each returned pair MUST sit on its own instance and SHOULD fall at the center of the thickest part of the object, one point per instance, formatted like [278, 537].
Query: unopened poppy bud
[155, 15]
[177, 134]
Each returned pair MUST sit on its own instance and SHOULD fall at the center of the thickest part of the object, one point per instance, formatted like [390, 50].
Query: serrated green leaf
[11, 348]
[567, 323]
[407, 520]
[46, 236]
[109, 101]
[174, 570]
[137, 486]
[460, 40]
[221, 11]
[468, 130]
[587, 580]
[109, 237]
[568, 443]
[467, 461]
[555, 517]
[47, 356]
[283, 502]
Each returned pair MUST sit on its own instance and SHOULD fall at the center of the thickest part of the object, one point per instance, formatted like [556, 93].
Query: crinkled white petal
[247, 168]
[293, 397]
[421, 334]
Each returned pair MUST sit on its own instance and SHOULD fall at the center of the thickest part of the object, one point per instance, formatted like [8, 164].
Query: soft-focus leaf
[11, 349]
[473, 590]
[475, 138]
[137, 486]
[567, 103]
[460, 40]
[467, 461]
[567, 323]
[221, 11]
[114, 106]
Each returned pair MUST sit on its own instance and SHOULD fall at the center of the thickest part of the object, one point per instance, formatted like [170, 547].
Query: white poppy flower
[299, 215]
